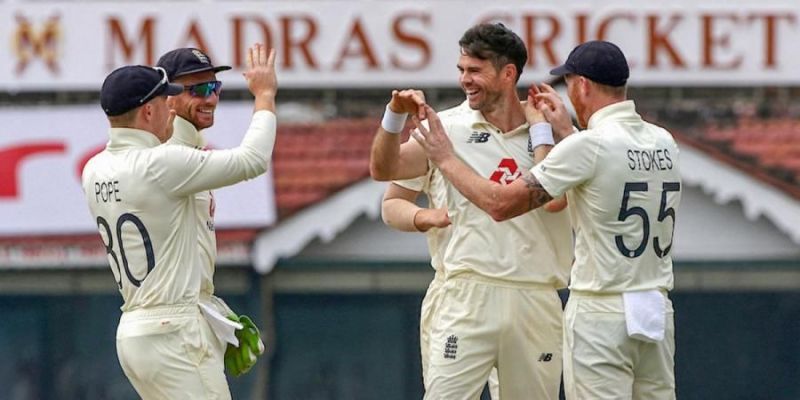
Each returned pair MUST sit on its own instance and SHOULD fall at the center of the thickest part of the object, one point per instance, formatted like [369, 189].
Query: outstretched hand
[434, 140]
[260, 72]
[532, 107]
[554, 110]
[409, 101]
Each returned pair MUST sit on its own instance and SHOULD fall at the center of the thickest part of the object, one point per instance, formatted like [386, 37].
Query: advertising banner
[71, 45]
[43, 150]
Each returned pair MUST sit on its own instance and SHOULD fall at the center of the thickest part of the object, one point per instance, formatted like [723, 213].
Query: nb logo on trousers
[545, 357]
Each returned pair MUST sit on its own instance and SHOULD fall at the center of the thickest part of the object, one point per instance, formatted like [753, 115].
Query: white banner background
[49, 199]
[384, 43]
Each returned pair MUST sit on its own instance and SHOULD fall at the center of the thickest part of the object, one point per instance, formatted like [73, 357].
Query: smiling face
[480, 81]
[196, 109]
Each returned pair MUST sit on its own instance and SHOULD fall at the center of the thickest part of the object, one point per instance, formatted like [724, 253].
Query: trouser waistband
[160, 311]
[471, 276]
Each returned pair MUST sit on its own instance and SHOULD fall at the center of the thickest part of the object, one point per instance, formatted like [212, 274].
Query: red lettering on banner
[545, 43]
[770, 40]
[605, 23]
[581, 28]
[289, 42]
[239, 43]
[409, 39]
[529, 35]
[364, 49]
[11, 159]
[658, 40]
[711, 41]
[118, 40]
[195, 39]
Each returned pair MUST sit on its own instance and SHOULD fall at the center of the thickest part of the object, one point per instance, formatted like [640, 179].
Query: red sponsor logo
[507, 171]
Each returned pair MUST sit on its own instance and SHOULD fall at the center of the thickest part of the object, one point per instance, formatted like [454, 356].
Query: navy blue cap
[598, 60]
[130, 86]
[187, 60]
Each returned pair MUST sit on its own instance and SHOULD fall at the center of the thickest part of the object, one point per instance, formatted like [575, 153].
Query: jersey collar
[183, 132]
[624, 110]
[478, 122]
[121, 138]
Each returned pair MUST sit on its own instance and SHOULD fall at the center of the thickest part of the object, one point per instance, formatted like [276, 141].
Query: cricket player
[622, 179]
[400, 211]
[195, 106]
[499, 305]
[142, 196]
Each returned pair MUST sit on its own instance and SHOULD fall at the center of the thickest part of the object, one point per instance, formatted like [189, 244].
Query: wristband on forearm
[393, 122]
[541, 134]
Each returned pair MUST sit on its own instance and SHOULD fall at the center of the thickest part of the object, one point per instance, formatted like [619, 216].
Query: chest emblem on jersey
[507, 171]
[479, 137]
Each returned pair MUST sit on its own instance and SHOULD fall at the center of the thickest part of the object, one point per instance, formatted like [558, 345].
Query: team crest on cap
[200, 56]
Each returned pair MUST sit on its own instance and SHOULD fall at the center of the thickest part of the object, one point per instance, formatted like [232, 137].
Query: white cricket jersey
[142, 196]
[535, 247]
[432, 184]
[624, 183]
[185, 134]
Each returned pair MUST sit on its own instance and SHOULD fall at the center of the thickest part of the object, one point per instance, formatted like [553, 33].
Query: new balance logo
[479, 137]
[451, 347]
[545, 357]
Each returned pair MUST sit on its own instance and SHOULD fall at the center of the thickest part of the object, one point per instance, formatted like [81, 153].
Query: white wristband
[541, 134]
[393, 122]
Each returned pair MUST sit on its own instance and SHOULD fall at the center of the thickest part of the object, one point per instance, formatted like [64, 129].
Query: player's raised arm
[501, 202]
[260, 77]
[554, 110]
[388, 158]
[183, 171]
[541, 132]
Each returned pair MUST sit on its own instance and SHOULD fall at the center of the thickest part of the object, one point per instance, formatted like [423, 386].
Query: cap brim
[204, 69]
[561, 70]
[173, 89]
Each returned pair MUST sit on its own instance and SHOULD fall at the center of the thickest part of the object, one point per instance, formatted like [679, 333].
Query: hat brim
[561, 70]
[204, 69]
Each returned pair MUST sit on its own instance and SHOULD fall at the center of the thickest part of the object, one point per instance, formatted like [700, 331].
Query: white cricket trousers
[170, 353]
[428, 309]
[482, 323]
[600, 360]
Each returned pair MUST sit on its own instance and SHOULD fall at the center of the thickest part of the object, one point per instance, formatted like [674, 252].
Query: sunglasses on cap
[151, 94]
[204, 89]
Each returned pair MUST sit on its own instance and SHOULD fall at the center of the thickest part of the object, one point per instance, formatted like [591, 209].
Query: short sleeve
[417, 184]
[569, 164]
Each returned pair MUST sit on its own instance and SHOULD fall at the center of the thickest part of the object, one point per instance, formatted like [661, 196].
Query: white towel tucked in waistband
[645, 315]
[223, 328]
